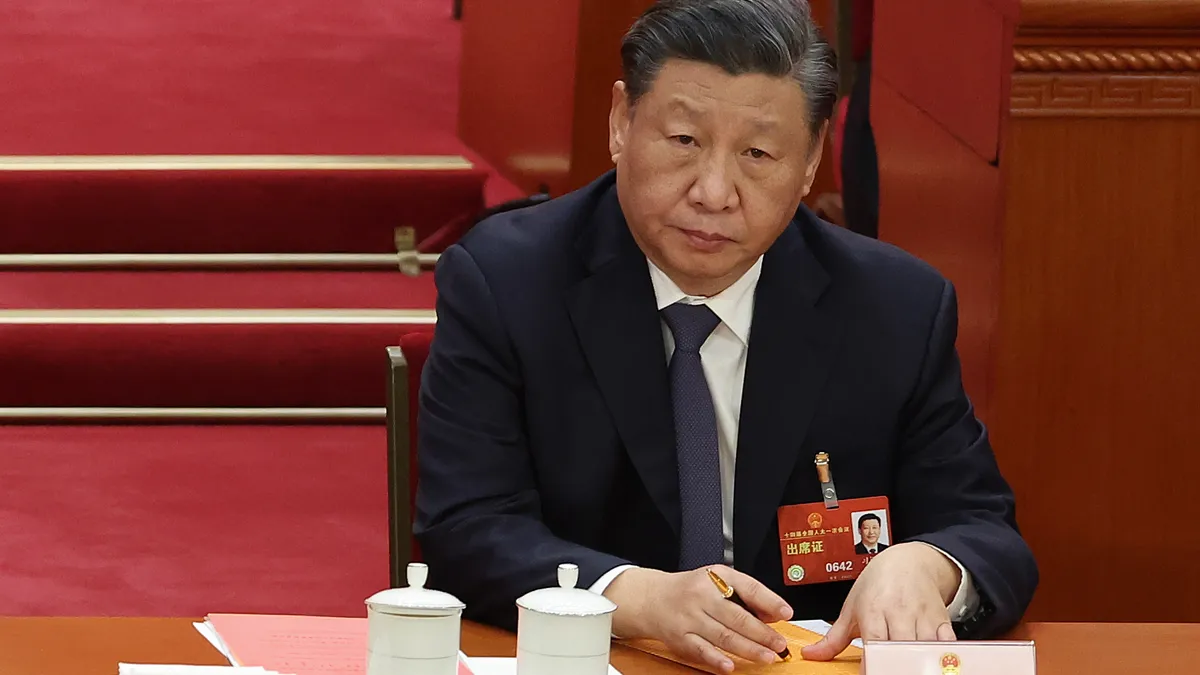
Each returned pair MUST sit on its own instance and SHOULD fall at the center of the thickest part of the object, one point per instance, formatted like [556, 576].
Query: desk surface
[94, 646]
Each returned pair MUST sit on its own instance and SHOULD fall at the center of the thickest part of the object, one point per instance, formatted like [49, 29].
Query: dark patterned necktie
[702, 541]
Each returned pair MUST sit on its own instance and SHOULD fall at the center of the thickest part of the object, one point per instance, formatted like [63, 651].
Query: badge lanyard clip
[825, 475]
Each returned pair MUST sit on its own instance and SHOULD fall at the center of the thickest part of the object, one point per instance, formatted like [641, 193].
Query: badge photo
[871, 532]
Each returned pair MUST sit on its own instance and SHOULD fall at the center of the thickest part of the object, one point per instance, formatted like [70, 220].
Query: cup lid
[415, 599]
[566, 600]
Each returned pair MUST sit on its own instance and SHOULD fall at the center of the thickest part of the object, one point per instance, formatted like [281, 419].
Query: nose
[714, 188]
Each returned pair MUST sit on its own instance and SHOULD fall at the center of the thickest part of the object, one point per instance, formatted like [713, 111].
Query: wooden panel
[517, 87]
[603, 23]
[824, 14]
[1098, 316]
[940, 201]
[1097, 362]
[950, 58]
[1076, 14]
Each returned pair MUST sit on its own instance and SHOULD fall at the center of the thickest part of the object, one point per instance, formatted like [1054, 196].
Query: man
[869, 527]
[636, 377]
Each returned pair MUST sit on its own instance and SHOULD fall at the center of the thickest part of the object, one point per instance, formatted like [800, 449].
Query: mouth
[705, 241]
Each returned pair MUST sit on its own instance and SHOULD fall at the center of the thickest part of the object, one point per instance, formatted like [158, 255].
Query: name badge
[949, 658]
[820, 545]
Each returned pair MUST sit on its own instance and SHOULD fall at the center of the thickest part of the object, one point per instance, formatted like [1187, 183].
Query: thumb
[834, 642]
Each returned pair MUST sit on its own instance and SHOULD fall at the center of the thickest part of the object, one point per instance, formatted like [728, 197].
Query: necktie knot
[690, 325]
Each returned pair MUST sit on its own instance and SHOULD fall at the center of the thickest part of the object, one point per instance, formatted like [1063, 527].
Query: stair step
[229, 204]
[57, 290]
[159, 415]
[215, 261]
[153, 363]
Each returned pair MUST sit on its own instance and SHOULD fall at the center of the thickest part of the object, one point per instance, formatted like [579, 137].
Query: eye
[757, 153]
[684, 139]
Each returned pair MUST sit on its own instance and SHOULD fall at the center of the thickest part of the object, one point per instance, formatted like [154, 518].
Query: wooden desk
[87, 646]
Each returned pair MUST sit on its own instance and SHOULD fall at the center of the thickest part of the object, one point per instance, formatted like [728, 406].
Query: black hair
[770, 37]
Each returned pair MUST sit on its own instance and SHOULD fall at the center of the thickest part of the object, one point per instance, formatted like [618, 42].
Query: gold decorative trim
[235, 163]
[218, 316]
[1092, 95]
[1036, 59]
[195, 414]
[209, 260]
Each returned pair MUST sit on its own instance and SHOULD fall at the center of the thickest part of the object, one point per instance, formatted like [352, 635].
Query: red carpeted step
[58, 289]
[185, 520]
[297, 211]
[278, 339]
[302, 362]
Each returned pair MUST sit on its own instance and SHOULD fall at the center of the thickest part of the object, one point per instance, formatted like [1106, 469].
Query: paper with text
[300, 645]
[297, 645]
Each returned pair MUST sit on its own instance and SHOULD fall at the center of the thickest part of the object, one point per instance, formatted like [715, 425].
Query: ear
[816, 151]
[618, 120]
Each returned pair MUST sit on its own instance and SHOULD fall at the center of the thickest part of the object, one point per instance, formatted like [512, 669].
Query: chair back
[405, 363]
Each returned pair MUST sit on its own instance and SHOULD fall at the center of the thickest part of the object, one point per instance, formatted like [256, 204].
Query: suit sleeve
[478, 512]
[950, 492]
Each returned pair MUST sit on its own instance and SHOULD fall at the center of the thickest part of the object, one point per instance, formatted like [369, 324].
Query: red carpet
[238, 365]
[180, 521]
[261, 360]
[183, 520]
[207, 289]
[228, 77]
[308, 211]
[374, 77]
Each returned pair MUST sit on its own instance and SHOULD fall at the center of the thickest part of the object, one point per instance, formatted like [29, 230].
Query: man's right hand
[685, 611]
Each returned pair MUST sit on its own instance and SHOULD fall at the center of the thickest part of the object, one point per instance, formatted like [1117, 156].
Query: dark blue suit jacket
[545, 426]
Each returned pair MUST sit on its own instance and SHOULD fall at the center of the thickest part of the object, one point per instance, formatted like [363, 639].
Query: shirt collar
[734, 306]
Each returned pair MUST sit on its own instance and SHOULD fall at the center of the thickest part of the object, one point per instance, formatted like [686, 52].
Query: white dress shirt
[723, 358]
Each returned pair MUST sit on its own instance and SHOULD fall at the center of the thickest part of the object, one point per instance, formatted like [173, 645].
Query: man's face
[711, 168]
[870, 532]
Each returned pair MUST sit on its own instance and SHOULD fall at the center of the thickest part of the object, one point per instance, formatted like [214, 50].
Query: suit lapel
[616, 320]
[792, 346]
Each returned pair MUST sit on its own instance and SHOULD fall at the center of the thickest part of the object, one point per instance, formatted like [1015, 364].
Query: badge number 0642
[820, 545]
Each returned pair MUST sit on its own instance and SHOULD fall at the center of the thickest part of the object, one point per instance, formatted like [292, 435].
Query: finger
[696, 649]
[945, 632]
[928, 627]
[834, 642]
[733, 642]
[761, 601]
[901, 626]
[730, 616]
[873, 627]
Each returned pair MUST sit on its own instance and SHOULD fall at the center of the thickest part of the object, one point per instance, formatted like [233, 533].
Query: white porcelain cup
[564, 630]
[413, 630]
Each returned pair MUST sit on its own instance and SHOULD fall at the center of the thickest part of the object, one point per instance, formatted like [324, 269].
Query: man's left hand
[901, 595]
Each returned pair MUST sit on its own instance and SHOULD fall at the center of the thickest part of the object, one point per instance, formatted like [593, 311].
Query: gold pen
[728, 593]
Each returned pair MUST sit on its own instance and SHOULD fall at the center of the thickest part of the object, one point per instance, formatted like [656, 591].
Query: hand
[686, 612]
[901, 595]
